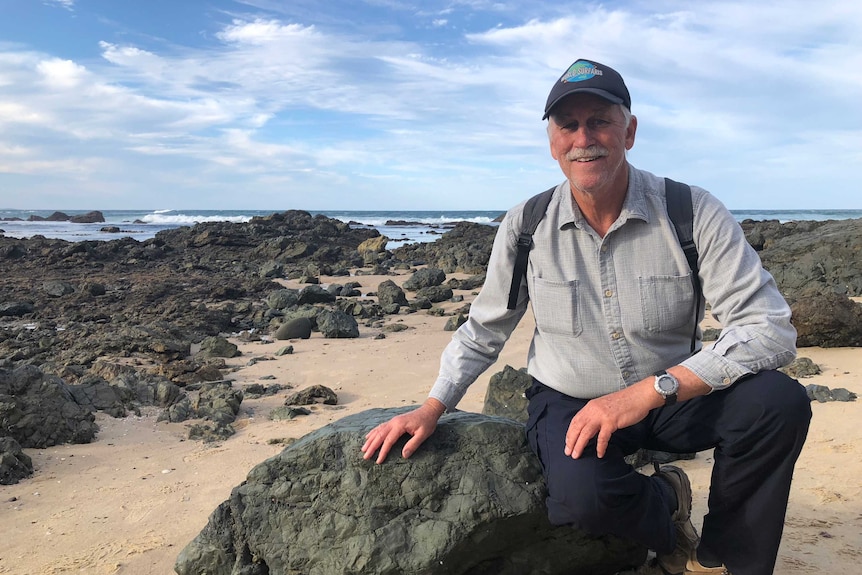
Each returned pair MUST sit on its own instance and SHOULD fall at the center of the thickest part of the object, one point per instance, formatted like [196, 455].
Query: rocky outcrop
[15, 465]
[425, 278]
[389, 294]
[803, 255]
[38, 410]
[471, 500]
[465, 248]
[827, 319]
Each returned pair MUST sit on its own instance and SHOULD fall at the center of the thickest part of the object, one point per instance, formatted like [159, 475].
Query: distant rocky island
[94, 217]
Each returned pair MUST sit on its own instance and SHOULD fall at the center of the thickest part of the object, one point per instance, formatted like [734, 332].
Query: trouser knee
[579, 507]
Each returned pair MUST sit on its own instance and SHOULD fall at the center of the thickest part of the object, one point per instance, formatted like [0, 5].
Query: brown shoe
[676, 562]
[693, 566]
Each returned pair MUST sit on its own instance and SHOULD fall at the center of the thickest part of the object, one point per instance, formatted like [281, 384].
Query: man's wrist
[435, 405]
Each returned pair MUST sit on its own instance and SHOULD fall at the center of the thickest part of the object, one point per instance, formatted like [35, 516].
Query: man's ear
[630, 133]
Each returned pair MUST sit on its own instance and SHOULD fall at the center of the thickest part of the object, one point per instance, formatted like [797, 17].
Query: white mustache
[593, 151]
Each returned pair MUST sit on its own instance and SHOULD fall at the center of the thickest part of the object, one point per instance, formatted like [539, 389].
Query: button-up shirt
[613, 310]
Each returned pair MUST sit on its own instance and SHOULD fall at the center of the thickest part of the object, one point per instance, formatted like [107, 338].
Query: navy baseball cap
[591, 77]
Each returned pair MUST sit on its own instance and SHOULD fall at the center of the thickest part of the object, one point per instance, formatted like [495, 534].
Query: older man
[611, 357]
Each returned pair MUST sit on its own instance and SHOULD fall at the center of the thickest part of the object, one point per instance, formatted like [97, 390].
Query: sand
[130, 501]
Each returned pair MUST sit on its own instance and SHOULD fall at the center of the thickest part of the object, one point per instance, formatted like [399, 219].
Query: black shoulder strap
[534, 211]
[681, 213]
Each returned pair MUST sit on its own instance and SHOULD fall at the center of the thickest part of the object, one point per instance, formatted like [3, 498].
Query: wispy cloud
[755, 102]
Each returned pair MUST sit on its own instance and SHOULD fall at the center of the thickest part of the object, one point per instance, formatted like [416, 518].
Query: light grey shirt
[612, 311]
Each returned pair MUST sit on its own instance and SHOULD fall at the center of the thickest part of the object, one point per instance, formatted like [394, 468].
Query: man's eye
[598, 123]
[571, 127]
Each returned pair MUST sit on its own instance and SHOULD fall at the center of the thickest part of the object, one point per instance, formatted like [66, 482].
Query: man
[611, 355]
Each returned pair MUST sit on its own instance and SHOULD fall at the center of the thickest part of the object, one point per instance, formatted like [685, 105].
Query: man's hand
[420, 423]
[602, 416]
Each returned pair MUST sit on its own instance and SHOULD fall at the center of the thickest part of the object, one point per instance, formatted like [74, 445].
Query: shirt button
[608, 293]
[726, 381]
[626, 374]
[604, 249]
[615, 335]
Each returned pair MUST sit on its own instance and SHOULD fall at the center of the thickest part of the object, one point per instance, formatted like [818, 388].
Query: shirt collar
[634, 206]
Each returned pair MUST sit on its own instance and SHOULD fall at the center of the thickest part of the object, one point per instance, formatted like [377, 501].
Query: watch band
[669, 397]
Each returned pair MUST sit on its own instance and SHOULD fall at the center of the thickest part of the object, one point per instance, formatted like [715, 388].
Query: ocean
[401, 227]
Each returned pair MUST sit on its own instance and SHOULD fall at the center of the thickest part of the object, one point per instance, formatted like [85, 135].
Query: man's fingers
[413, 444]
[604, 438]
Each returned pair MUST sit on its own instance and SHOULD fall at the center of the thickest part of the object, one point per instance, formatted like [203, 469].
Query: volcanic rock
[471, 500]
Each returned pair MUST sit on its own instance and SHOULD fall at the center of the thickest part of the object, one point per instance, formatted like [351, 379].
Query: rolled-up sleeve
[756, 331]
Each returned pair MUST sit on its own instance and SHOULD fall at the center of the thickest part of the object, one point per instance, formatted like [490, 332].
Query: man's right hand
[419, 423]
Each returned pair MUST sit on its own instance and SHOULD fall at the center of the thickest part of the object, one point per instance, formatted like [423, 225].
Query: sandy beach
[130, 501]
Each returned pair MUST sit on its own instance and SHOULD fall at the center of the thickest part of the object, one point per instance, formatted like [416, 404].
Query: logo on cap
[580, 71]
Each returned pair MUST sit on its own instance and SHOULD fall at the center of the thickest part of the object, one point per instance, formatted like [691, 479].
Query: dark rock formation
[158, 295]
[827, 319]
[215, 346]
[93, 217]
[801, 367]
[823, 394]
[435, 294]
[282, 299]
[471, 500]
[388, 293]
[312, 395]
[38, 410]
[423, 278]
[315, 294]
[15, 465]
[466, 248]
[218, 402]
[337, 324]
[801, 255]
[505, 394]
[454, 322]
[473, 282]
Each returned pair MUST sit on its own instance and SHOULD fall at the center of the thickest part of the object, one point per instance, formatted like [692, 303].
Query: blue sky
[411, 104]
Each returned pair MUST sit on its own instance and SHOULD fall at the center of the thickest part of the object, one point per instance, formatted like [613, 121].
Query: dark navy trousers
[757, 427]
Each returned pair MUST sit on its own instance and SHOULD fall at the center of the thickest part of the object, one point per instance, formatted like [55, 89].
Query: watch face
[666, 384]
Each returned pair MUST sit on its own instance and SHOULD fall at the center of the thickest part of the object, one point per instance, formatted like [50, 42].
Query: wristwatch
[667, 386]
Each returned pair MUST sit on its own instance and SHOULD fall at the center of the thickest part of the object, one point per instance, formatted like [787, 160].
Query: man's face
[589, 139]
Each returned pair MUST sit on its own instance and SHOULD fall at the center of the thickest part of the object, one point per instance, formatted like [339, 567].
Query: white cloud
[716, 87]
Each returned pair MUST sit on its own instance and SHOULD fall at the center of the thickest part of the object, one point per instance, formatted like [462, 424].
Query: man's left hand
[602, 416]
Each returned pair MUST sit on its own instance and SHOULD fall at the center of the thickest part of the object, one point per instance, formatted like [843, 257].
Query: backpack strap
[534, 211]
[681, 213]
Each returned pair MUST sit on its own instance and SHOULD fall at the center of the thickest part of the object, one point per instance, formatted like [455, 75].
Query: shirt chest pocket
[667, 302]
[556, 306]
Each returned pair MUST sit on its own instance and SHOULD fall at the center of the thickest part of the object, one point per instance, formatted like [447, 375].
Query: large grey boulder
[337, 324]
[388, 293]
[471, 500]
[282, 299]
[435, 294]
[313, 294]
[426, 277]
[217, 346]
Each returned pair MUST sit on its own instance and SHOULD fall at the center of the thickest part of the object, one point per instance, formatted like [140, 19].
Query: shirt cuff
[447, 392]
[715, 370]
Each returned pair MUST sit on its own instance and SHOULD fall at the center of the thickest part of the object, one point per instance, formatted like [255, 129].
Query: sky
[414, 104]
